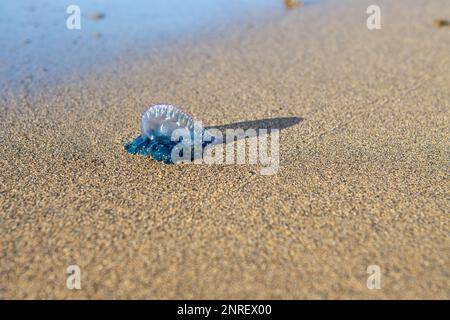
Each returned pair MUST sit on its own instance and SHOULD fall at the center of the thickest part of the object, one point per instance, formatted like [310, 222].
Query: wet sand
[363, 176]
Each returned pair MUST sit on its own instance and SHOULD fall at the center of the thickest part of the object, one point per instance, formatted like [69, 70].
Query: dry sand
[363, 178]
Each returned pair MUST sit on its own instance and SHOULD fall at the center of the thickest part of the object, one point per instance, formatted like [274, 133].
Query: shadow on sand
[274, 123]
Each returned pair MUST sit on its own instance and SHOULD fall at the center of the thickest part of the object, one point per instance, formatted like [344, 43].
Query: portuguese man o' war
[162, 126]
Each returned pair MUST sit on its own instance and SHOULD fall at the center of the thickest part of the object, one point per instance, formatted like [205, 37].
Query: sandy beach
[363, 177]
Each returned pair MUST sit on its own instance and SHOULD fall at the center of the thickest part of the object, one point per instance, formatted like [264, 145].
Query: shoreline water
[38, 48]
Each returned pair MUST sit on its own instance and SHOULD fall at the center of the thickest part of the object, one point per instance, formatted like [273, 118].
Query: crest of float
[168, 134]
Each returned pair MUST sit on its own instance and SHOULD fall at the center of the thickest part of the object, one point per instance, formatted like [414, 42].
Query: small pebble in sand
[439, 23]
[97, 16]
[290, 4]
